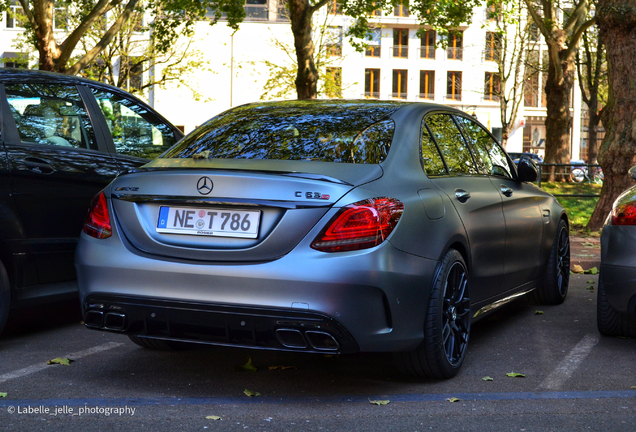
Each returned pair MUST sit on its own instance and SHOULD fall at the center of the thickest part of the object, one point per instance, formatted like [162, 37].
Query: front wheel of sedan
[609, 321]
[555, 285]
[446, 325]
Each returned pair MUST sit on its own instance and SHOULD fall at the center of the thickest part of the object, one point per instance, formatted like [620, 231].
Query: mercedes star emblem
[205, 185]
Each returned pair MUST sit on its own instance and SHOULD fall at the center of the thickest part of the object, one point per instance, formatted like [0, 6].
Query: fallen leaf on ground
[251, 393]
[591, 281]
[632, 387]
[538, 312]
[487, 378]
[282, 368]
[577, 269]
[588, 244]
[453, 399]
[379, 402]
[590, 288]
[213, 417]
[60, 360]
[3, 394]
[247, 367]
[515, 375]
[592, 271]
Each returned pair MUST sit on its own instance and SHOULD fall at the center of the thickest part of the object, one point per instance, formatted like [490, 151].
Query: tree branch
[105, 40]
[574, 40]
[72, 40]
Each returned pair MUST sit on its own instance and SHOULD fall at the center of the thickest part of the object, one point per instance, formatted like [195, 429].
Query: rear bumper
[618, 266]
[372, 300]
[218, 324]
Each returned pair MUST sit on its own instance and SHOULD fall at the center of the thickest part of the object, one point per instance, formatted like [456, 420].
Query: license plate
[209, 222]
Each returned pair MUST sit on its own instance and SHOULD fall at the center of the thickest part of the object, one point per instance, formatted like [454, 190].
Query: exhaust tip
[291, 338]
[94, 319]
[322, 340]
[114, 321]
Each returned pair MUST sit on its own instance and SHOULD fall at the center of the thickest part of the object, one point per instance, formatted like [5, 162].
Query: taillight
[97, 222]
[360, 225]
[624, 214]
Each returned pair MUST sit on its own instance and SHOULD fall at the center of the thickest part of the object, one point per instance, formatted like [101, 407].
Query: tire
[446, 324]
[577, 175]
[5, 297]
[158, 344]
[555, 285]
[611, 322]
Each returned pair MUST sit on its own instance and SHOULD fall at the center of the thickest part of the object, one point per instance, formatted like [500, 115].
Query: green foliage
[579, 209]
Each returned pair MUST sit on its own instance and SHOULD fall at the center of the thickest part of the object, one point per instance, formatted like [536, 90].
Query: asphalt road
[575, 380]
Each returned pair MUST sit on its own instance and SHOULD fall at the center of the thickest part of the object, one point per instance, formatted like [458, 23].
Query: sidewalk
[586, 252]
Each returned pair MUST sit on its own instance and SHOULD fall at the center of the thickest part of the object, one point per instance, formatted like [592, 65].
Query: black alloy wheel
[446, 324]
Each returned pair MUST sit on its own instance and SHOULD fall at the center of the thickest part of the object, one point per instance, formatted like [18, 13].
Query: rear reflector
[97, 222]
[624, 214]
[361, 225]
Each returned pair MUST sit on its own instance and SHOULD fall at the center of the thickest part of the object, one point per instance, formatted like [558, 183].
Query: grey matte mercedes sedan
[325, 226]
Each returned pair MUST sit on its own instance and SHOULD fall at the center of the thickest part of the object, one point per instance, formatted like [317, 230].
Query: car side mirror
[527, 170]
[632, 172]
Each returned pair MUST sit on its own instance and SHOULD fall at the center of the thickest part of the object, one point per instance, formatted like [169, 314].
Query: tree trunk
[301, 12]
[617, 23]
[558, 123]
[592, 131]
[47, 48]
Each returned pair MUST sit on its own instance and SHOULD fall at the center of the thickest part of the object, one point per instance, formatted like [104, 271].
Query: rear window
[325, 131]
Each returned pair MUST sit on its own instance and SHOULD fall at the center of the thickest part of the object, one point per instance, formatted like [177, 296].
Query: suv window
[51, 114]
[431, 159]
[135, 130]
[454, 149]
[490, 158]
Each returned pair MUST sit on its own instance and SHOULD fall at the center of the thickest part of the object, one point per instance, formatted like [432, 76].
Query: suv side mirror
[632, 172]
[527, 170]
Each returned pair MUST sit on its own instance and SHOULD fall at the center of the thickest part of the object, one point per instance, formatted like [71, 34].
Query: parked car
[616, 305]
[64, 139]
[516, 156]
[325, 227]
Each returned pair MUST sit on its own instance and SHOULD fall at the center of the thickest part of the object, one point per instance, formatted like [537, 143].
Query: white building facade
[399, 64]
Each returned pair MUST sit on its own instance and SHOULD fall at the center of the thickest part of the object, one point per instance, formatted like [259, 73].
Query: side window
[135, 130]
[457, 155]
[431, 159]
[50, 114]
[491, 159]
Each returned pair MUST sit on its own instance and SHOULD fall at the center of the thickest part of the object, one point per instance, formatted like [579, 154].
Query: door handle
[506, 191]
[39, 166]
[461, 195]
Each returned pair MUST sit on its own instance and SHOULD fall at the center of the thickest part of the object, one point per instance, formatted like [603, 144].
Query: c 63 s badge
[312, 195]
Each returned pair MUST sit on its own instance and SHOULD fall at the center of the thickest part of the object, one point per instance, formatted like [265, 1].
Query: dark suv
[63, 138]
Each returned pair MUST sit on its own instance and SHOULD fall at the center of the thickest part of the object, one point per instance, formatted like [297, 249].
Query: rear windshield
[325, 131]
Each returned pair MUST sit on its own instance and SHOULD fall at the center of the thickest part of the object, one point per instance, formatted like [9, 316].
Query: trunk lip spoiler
[303, 175]
[241, 202]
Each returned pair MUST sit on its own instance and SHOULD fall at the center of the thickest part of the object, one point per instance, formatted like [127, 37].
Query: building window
[491, 87]
[374, 46]
[15, 17]
[334, 41]
[455, 49]
[401, 43]
[282, 14]
[333, 82]
[454, 86]
[427, 84]
[400, 80]
[401, 9]
[372, 83]
[15, 60]
[493, 46]
[334, 7]
[493, 12]
[256, 10]
[427, 49]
